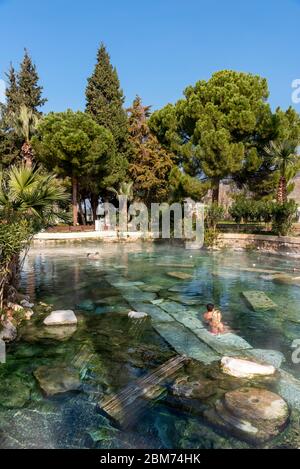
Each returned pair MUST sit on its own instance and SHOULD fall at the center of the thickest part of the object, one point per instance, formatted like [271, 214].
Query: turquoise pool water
[113, 353]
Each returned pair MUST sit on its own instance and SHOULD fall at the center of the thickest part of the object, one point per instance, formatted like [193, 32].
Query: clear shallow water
[116, 354]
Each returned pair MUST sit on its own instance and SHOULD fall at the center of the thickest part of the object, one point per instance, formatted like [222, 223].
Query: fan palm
[28, 202]
[25, 123]
[284, 157]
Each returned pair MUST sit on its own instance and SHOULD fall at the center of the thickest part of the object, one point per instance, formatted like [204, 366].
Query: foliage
[104, 100]
[286, 160]
[214, 214]
[22, 91]
[183, 185]
[250, 210]
[73, 145]
[214, 129]
[29, 201]
[149, 163]
[283, 217]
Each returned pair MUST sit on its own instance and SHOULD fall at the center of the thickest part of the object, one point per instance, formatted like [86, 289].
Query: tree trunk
[74, 200]
[94, 203]
[215, 191]
[27, 154]
[282, 190]
[82, 217]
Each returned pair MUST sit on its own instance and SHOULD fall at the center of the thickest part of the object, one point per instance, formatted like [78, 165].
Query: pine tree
[105, 99]
[149, 164]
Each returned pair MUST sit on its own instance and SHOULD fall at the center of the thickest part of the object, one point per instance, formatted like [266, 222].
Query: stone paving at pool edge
[186, 334]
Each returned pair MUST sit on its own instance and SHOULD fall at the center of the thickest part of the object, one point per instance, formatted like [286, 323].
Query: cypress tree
[22, 90]
[29, 90]
[105, 99]
[149, 163]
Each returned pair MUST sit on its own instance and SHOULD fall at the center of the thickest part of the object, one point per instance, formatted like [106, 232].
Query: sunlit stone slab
[157, 302]
[270, 357]
[157, 315]
[151, 288]
[224, 343]
[258, 300]
[254, 269]
[180, 275]
[127, 283]
[189, 320]
[138, 295]
[185, 342]
[172, 307]
[181, 266]
[184, 300]
[289, 388]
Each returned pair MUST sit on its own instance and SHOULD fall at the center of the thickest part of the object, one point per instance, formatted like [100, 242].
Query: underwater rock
[15, 307]
[26, 304]
[57, 380]
[28, 314]
[86, 305]
[60, 317]
[289, 388]
[33, 333]
[269, 357]
[245, 368]
[8, 333]
[151, 288]
[258, 300]
[193, 389]
[112, 309]
[180, 275]
[137, 315]
[13, 392]
[252, 414]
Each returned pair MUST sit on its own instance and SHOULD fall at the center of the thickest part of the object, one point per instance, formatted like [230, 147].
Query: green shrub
[280, 215]
[283, 217]
[214, 214]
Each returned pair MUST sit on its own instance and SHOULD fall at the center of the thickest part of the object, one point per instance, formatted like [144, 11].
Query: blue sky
[159, 46]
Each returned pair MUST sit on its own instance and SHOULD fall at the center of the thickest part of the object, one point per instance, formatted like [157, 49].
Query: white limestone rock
[245, 368]
[137, 315]
[60, 317]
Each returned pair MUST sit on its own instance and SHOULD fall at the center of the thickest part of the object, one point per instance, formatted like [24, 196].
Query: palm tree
[28, 202]
[284, 157]
[125, 190]
[25, 123]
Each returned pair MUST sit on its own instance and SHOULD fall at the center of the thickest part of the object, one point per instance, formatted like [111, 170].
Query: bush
[214, 214]
[280, 215]
[283, 217]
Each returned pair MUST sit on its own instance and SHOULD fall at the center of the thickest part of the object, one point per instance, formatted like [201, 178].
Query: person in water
[213, 318]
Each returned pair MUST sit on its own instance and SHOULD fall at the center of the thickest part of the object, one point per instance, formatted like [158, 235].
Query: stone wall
[289, 245]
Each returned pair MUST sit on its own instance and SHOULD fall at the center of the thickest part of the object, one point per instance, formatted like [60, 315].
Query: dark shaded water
[112, 353]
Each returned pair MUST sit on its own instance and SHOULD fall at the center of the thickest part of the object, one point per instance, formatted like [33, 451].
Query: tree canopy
[215, 128]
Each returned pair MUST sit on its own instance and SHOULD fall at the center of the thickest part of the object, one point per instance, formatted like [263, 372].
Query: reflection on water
[109, 352]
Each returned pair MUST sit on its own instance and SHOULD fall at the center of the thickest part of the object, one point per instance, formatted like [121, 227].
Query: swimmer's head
[210, 306]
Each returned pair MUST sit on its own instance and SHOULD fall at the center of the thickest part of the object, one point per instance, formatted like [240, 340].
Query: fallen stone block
[258, 300]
